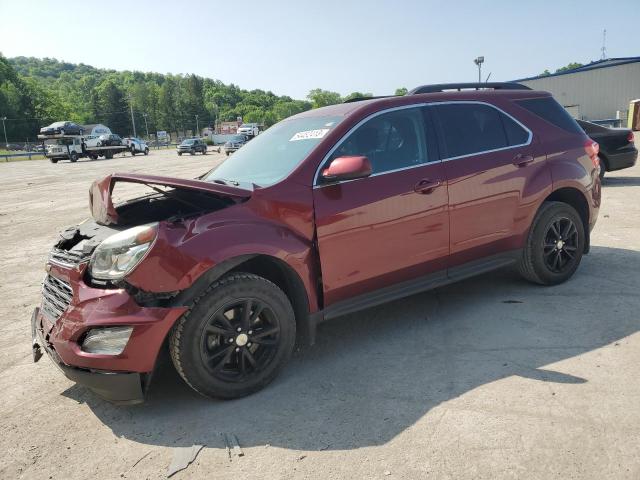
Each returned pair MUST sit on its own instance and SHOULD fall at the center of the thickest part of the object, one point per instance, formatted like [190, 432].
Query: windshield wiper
[224, 181]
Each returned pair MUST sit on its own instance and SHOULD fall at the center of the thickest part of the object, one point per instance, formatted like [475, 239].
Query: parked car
[234, 143]
[92, 132]
[192, 146]
[109, 140]
[328, 212]
[136, 145]
[617, 147]
[62, 128]
[249, 130]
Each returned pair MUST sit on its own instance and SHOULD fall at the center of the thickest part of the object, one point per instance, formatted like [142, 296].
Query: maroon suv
[327, 212]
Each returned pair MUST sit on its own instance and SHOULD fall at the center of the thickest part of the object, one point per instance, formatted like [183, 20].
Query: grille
[66, 258]
[56, 295]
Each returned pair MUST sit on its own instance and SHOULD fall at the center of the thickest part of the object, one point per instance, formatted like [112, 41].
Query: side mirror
[347, 168]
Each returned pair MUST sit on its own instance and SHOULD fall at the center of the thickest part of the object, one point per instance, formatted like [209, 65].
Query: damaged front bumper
[121, 378]
[117, 387]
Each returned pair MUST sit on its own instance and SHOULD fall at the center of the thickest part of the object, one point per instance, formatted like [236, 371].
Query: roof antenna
[604, 44]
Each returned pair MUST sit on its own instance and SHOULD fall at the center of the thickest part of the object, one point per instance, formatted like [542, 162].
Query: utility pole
[479, 61]
[146, 127]
[6, 142]
[133, 121]
[197, 126]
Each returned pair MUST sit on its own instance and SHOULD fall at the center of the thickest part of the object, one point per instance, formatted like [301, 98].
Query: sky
[291, 47]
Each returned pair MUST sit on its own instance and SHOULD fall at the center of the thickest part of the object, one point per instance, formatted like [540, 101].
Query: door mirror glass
[347, 168]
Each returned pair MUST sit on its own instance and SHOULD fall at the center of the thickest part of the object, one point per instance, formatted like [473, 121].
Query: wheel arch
[273, 269]
[576, 199]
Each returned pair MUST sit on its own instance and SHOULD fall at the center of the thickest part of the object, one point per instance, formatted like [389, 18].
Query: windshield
[187, 142]
[271, 156]
[237, 138]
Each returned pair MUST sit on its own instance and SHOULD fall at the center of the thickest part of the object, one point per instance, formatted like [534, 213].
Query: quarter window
[516, 135]
[390, 141]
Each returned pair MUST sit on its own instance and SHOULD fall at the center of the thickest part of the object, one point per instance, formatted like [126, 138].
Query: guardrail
[6, 156]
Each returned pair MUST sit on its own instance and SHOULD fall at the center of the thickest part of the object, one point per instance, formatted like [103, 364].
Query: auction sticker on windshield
[309, 134]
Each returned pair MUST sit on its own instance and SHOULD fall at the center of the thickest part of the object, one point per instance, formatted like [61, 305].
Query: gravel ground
[489, 378]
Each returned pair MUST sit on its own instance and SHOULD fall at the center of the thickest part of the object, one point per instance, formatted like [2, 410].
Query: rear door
[491, 169]
[392, 226]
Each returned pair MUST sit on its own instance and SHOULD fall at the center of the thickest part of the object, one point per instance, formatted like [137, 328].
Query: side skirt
[422, 284]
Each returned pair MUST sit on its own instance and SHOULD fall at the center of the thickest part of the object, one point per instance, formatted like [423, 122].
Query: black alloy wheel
[560, 245]
[240, 340]
[235, 338]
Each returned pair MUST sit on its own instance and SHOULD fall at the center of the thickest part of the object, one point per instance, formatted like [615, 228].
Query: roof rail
[441, 87]
[360, 99]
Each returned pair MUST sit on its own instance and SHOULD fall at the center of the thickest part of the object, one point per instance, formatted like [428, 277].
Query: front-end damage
[75, 304]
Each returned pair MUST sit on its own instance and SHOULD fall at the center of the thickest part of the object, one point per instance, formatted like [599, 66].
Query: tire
[98, 144]
[603, 168]
[133, 151]
[146, 151]
[179, 154]
[73, 157]
[192, 152]
[61, 131]
[108, 156]
[53, 160]
[208, 332]
[555, 245]
[204, 152]
[227, 153]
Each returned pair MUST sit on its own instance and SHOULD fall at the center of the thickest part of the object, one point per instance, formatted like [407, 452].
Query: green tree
[353, 95]
[401, 91]
[322, 98]
[571, 66]
[112, 107]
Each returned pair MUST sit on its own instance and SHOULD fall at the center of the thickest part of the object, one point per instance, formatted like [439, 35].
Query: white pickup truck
[250, 130]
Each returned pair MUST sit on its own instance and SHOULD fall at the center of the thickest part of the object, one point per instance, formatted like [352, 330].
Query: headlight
[107, 340]
[116, 256]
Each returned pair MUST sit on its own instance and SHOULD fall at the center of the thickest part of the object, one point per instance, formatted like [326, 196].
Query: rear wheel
[146, 151]
[179, 154]
[192, 152]
[555, 245]
[53, 160]
[73, 157]
[236, 338]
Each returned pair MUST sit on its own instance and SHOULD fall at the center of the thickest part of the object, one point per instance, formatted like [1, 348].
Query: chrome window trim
[418, 105]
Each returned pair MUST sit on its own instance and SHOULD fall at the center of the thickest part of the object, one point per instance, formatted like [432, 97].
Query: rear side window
[551, 111]
[469, 128]
[516, 135]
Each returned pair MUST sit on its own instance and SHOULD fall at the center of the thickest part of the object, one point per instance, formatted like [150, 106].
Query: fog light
[107, 340]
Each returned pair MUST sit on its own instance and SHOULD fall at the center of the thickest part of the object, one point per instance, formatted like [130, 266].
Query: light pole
[146, 127]
[6, 142]
[133, 121]
[197, 126]
[479, 61]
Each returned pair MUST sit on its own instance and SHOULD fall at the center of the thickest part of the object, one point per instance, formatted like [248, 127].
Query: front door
[392, 226]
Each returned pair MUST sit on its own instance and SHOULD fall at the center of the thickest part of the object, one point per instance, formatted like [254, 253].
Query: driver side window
[390, 141]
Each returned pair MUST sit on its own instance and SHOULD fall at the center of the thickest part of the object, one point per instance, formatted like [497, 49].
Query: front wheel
[73, 157]
[179, 154]
[236, 338]
[192, 152]
[555, 245]
[53, 160]
[146, 151]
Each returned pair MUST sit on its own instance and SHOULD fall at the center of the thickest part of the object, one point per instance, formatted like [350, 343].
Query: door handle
[522, 160]
[426, 186]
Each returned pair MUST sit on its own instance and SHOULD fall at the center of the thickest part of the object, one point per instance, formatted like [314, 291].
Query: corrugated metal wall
[598, 93]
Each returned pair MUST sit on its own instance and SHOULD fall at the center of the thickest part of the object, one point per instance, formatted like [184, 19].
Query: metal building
[600, 90]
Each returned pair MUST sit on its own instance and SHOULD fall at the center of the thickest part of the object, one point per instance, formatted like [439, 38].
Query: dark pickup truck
[617, 148]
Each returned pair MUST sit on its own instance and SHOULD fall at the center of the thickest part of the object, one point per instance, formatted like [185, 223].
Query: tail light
[630, 137]
[592, 149]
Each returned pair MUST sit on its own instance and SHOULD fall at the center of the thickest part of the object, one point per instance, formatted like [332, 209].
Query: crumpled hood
[105, 213]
